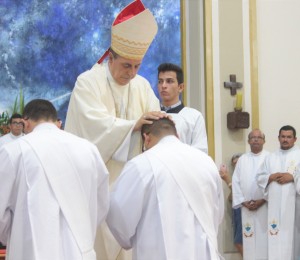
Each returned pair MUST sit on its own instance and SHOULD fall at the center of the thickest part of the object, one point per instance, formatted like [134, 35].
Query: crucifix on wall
[232, 84]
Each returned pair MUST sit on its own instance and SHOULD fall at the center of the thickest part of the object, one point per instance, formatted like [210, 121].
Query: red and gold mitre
[132, 32]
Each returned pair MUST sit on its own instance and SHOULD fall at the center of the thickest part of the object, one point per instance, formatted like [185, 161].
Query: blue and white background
[45, 45]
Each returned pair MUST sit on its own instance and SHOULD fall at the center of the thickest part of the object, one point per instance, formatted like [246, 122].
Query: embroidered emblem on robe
[273, 228]
[248, 230]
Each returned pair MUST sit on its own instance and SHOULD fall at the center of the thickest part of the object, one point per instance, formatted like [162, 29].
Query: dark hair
[161, 127]
[115, 55]
[288, 128]
[38, 109]
[15, 115]
[171, 67]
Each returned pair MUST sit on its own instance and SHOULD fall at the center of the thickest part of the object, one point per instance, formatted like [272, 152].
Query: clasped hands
[281, 177]
[253, 204]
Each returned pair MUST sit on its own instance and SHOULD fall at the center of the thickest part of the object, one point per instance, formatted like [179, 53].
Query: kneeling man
[168, 201]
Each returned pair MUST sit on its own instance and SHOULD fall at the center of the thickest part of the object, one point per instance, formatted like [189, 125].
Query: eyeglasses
[256, 138]
[17, 123]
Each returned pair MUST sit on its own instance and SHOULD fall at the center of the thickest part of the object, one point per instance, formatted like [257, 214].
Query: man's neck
[176, 108]
[256, 151]
[171, 104]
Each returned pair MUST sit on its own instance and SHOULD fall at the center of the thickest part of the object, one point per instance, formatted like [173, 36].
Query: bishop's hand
[148, 117]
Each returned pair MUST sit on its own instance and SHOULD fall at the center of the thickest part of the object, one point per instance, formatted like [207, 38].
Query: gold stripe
[183, 47]
[209, 90]
[121, 39]
[254, 64]
[128, 52]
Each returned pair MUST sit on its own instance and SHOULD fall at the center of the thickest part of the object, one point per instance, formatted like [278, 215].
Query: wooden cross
[233, 85]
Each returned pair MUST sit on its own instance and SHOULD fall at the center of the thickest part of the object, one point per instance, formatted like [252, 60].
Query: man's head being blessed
[38, 111]
[153, 133]
[132, 32]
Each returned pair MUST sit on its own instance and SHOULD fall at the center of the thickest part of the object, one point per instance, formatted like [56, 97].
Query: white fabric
[282, 218]
[5, 139]
[149, 211]
[32, 219]
[254, 223]
[94, 113]
[190, 126]
[297, 210]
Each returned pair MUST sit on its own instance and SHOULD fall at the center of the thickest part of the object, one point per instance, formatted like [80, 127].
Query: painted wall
[278, 42]
[232, 141]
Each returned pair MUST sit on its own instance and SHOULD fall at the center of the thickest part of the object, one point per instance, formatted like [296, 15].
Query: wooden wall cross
[232, 84]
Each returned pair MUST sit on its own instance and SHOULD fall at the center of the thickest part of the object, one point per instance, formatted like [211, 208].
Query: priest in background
[54, 191]
[168, 201]
[276, 178]
[16, 127]
[111, 102]
[247, 196]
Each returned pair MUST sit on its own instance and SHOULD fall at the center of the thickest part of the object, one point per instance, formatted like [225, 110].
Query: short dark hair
[171, 67]
[38, 109]
[160, 127]
[15, 115]
[288, 128]
[115, 55]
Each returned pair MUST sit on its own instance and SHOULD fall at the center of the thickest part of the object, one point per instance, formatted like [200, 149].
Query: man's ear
[110, 57]
[147, 138]
[181, 87]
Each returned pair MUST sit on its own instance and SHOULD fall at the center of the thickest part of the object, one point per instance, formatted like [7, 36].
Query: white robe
[98, 113]
[282, 200]
[254, 223]
[5, 139]
[153, 214]
[190, 126]
[36, 221]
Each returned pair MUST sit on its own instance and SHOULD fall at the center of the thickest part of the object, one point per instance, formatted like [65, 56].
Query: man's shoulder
[139, 80]
[74, 139]
[98, 70]
[4, 137]
[191, 112]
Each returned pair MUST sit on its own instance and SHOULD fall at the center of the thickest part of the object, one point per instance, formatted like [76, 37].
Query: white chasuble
[54, 201]
[281, 203]
[156, 216]
[194, 190]
[254, 223]
[105, 113]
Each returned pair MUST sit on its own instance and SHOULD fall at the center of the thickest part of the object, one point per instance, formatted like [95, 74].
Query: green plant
[4, 121]
[19, 103]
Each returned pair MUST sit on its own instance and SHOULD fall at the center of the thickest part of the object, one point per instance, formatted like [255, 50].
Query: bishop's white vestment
[168, 204]
[282, 201]
[54, 194]
[254, 223]
[105, 113]
[190, 126]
